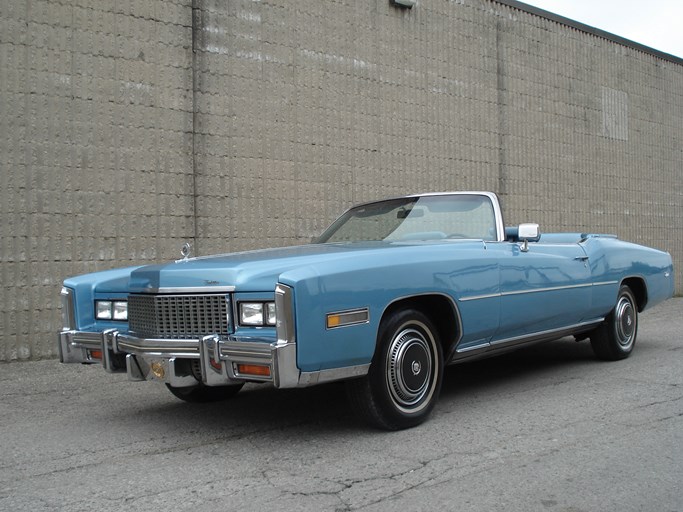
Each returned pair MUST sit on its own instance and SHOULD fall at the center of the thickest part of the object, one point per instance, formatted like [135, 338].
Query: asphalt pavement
[547, 428]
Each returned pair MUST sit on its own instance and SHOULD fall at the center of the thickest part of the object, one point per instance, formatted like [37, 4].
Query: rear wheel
[404, 380]
[204, 394]
[615, 338]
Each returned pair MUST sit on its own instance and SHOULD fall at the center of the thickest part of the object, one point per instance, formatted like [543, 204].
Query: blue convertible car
[391, 293]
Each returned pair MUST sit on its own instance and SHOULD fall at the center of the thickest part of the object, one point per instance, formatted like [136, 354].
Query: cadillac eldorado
[391, 293]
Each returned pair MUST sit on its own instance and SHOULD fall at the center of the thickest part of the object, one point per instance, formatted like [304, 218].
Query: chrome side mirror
[528, 233]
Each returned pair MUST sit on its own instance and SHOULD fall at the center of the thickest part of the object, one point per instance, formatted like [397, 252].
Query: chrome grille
[177, 316]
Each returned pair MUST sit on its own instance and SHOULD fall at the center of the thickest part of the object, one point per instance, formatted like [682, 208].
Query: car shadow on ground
[324, 408]
[488, 374]
[260, 408]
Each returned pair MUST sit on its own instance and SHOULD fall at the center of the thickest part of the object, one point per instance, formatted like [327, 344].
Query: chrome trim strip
[90, 340]
[158, 347]
[498, 214]
[479, 297]
[196, 289]
[547, 333]
[333, 374]
[605, 283]
[68, 313]
[548, 289]
[284, 314]
[532, 290]
[356, 317]
[498, 347]
[473, 347]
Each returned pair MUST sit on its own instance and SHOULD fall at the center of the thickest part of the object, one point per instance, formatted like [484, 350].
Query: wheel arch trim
[449, 343]
[638, 287]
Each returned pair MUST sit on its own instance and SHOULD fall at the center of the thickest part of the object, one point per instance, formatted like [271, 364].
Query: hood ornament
[185, 250]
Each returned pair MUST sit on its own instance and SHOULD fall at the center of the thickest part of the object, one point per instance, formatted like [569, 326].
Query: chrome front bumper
[220, 358]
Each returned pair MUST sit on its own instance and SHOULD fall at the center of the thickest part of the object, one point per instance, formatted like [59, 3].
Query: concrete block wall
[332, 103]
[95, 152]
[122, 142]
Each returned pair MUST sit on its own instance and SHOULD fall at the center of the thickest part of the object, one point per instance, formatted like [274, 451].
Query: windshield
[416, 218]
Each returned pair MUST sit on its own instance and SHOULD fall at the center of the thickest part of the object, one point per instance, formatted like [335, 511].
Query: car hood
[245, 271]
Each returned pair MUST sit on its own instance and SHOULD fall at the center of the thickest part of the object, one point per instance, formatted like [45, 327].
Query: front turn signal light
[253, 369]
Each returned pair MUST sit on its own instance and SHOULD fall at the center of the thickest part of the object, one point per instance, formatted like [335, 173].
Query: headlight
[257, 314]
[251, 313]
[111, 310]
[270, 313]
[103, 309]
[120, 310]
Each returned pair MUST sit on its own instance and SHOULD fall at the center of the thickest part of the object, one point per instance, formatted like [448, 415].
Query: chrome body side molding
[498, 346]
[535, 290]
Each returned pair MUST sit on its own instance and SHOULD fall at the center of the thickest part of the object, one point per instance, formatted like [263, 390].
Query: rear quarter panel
[613, 260]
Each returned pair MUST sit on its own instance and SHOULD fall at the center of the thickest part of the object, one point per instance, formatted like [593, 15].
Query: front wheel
[205, 394]
[615, 338]
[404, 380]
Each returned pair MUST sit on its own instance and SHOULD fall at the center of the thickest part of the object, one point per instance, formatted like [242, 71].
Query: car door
[545, 288]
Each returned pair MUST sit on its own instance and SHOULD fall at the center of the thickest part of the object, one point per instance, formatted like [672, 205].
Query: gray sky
[655, 23]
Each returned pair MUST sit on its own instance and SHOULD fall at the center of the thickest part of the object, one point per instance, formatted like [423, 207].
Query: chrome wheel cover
[625, 322]
[410, 368]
